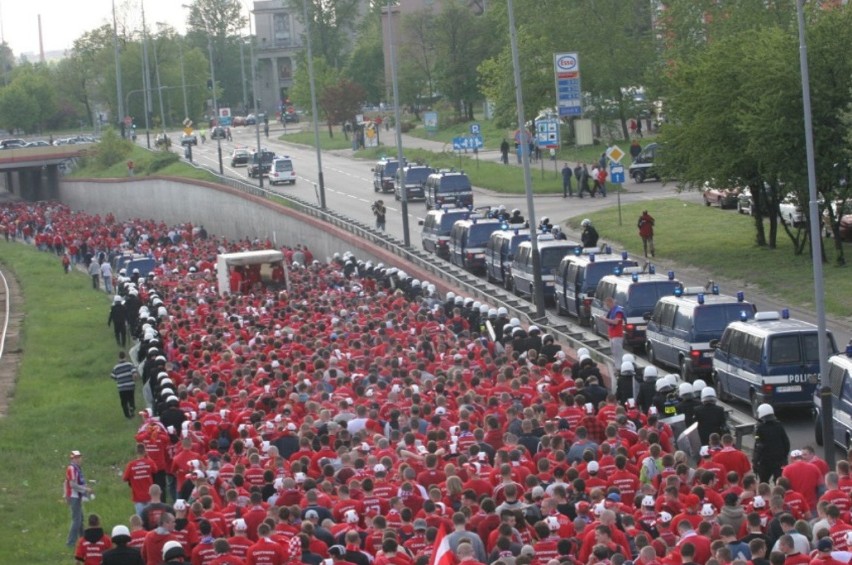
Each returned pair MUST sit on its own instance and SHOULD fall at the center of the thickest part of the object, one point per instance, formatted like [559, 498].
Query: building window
[281, 28]
[285, 68]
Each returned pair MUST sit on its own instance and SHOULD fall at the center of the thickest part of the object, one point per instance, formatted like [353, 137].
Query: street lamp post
[117, 68]
[182, 78]
[314, 106]
[406, 237]
[816, 242]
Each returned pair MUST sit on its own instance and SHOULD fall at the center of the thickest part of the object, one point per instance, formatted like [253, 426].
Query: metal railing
[5, 314]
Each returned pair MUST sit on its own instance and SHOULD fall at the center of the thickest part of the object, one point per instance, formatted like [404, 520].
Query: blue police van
[840, 381]
[551, 252]
[467, 242]
[500, 252]
[682, 326]
[577, 278]
[771, 358]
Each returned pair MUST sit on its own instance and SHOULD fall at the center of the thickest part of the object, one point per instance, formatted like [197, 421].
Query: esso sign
[566, 62]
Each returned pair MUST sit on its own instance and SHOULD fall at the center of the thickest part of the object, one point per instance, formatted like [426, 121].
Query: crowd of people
[357, 417]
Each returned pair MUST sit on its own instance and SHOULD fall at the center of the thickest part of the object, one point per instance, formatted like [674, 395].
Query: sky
[63, 21]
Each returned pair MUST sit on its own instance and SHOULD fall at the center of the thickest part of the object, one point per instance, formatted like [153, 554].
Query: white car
[282, 171]
[790, 212]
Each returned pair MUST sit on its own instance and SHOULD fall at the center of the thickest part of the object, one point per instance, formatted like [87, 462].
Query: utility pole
[314, 106]
[146, 80]
[406, 236]
[182, 78]
[118, 89]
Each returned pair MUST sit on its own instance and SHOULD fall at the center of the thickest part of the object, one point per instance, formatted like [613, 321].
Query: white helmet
[515, 322]
[648, 501]
[502, 311]
[708, 394]
[627, 368]
[650, 372]
[450, 296]
[683, 389]
[586, 222]
[582, 351]
[628, 358]
[765, 410]
[698, 385]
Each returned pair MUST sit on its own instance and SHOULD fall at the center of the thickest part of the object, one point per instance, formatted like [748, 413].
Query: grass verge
[722, 242]
[64, 400]
[327, 143]
[145, 163]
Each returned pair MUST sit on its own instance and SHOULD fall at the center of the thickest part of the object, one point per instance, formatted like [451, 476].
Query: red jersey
[90, 552]
[139, 474]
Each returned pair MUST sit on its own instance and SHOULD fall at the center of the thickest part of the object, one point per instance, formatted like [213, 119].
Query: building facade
[279, 37]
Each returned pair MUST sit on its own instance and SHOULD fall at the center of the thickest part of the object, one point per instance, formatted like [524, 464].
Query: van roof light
[635, 277]
[849, 350]
[785, 313]
[517, 231]
[578, 251]
[632, 270]
[701, 298]
[624, 255]
[743, 315]
[608, 250]
[617, 270]
[678, 291]
[692, 290]
[652, 269]
[766, 316]
[714, 288]
[740, 296]
[591, 257]
[671, 275]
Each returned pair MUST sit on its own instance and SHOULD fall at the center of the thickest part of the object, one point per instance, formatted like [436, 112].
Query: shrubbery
[111, 149]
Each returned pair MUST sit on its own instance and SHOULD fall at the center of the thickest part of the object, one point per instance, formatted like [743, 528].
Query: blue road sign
[616, 173]
[475, 129]
[547, 133]
[465, 142]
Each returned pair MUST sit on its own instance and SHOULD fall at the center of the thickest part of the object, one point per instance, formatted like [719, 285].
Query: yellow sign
[615, 154]
[187, 131]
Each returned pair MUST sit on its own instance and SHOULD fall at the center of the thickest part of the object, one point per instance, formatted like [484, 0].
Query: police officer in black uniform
[687, 403]
[771, 444]
[711, 417]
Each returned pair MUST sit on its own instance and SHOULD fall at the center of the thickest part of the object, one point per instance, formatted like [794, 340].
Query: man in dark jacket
[711, 417]
[771, 444]
[648, 389]
[687, 403]
[121, 554]
[589, 237]
[118, 320]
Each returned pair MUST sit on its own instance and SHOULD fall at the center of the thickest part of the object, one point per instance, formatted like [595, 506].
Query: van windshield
[455, 183]
[480, 233]
[447, 221]
[418, 175]
[715, 318]
[390, 168]
[596, 271]
[283, 166]
[644, 296]
[551, 257]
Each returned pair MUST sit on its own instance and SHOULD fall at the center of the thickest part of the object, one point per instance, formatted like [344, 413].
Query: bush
[111, 149]
[156, 161]
[406, 126]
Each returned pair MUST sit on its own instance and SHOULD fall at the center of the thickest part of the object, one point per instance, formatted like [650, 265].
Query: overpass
[32, 173]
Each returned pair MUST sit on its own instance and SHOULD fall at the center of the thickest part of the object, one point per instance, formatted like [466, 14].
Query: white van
[282, 171]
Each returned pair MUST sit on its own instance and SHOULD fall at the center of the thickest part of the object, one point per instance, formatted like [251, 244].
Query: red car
[721, 197]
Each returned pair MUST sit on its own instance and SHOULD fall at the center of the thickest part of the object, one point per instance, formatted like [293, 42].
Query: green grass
[722, 242]
[64, 400]
[327, 143]
[141, 157]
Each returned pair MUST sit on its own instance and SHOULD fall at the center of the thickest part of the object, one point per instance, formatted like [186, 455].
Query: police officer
[687, 403]
[118, 319]
[666, 399]
[647, 391]
[711, 417]
[624, 386]
[771, 444]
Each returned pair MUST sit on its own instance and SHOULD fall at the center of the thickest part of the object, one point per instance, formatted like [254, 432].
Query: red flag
[441, 554]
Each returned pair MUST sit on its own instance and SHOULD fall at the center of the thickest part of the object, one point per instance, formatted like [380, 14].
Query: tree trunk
[757, 206]
[330, 130]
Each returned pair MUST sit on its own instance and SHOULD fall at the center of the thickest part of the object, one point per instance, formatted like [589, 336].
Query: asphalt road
[349, 189]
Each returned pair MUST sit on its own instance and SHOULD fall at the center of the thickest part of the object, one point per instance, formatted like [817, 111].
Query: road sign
[547, 133]
[475, 129]
[616, 173]
[566, 67]
[465, 142]
[475, 141]
[615, 154]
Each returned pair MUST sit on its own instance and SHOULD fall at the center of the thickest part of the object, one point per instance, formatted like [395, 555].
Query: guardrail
[6, 314]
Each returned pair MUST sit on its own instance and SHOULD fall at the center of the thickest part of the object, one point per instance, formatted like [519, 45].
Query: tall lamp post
[254, 94]
[314, 106]
[118, 88]
[213, 87]
[538, 292]
[816, 242]
[146, 79]
[406, 236]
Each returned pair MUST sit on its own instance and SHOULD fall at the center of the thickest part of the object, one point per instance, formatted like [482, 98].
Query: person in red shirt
[804, 477]
[152, 549]
[90, 548]
[788, 548]
[730, 458]
[139, 474]
[265, 551]
[224, 556]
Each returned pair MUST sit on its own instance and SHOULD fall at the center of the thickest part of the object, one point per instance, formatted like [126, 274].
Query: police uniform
[771, 447]
[711, 419]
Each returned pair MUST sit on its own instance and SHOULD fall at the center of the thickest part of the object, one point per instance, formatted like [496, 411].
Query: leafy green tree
[367, 64]
[333, 25]
[17, 109]
[112, 149]
[324, 77]
[417, 58]
[340, 102]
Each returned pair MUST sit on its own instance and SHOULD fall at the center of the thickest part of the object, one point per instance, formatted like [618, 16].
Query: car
[415, 177]
[218, 132]
[189, 139]
[840, 381]
[260, 163]
[38, 143]
[790, 212]
[384, 174]
[721, 197]
[435, 235]
[281, 171]
[238, 121]
[163, 141]
[643, 166]
[12, 143]
[240, 158]
[251, 120]
[291, 117]
[745, 203]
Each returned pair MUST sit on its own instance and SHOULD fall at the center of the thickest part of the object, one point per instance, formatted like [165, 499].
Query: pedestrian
[646, 232]
[615, 327]
[639, 127]
[504, 151]
[91, 547]
[139, 475]
[118, 320]
[635, 149]
[266, 130]
[95, 272]
[106, 275]
[601, 180]
[76, 491]
[584, 181]
[66, 263]
[230, 137]
[380, 212]
[589, 237]
[121, 553]
[124, 374]
[567, 189]
[710, 416]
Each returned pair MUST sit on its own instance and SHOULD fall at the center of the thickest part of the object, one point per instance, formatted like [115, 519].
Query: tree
[17, 109]
[324, 77]
[417, 58]
[367, 64]
[340, 102]
[460, 47]
[333, 23]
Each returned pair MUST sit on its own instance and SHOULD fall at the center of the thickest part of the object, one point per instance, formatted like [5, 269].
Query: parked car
[790, 212]
[238, 121]
[38, 143]
[251, 120]
[291, 117]
[12, 143]
[721, 197]
[189, 139]
[240, 158]
[745, 203]
[643, 166]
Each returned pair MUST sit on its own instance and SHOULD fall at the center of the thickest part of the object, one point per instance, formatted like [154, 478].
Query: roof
[252, 257]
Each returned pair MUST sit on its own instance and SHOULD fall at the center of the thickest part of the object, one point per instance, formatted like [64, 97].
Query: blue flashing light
[591, 257]
[743, 315]
[715, 289]
[740, 296]
[678, 291]
[578, 251]
[652, 269]
[671, 275]
[635, 277]
[607, 249]
[785, 313]
[849, 350]
[474, 221]
[701, 298]
[617, 270]
[517, 232]
[624, 255]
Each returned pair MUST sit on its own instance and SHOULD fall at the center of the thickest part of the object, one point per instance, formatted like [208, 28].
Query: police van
[448, 188]
[577, 279]
[551, 252]
[467, 242]
[435, 235]
[637, 293]
[683, 325]
[771, 358]
[500, 252]
[840, 380]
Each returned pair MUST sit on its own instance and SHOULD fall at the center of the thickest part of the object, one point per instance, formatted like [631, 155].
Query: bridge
[32, 173]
